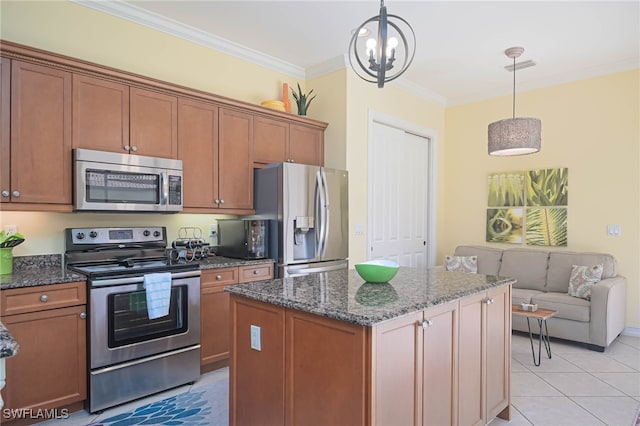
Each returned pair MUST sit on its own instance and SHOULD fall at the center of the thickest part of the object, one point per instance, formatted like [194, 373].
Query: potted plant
[302, 100]
[7, 243]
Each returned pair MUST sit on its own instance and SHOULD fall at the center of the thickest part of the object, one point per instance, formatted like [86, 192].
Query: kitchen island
[429, 347]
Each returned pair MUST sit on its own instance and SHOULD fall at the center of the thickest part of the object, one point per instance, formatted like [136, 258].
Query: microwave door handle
[164, 189]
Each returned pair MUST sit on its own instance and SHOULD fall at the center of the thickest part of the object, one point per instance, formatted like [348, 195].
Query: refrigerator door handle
[322, 229]
[327, 216]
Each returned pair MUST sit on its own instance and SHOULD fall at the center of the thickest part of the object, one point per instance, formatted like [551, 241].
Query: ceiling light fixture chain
[515, 136]
[376, 59]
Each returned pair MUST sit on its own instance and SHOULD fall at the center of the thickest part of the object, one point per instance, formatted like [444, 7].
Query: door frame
[432, 175]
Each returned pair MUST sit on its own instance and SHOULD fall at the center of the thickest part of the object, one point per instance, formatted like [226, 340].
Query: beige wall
[589, 126]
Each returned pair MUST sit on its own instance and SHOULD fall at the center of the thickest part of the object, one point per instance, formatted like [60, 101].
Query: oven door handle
[140, 278]
[143, 360]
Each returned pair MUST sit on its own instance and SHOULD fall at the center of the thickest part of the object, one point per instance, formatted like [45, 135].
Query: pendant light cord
[514, 87]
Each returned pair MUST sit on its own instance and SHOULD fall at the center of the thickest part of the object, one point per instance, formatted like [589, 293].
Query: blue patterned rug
[206, 406]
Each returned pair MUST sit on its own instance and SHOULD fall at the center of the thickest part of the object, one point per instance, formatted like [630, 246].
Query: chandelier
[386, 57]
[514, 136]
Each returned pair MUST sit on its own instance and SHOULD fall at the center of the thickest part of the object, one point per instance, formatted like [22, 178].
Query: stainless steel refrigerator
[309, 211]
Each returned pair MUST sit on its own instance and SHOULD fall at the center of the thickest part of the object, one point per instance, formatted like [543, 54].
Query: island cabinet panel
[485, 353]
[277, 141]
[153, 123]
[257, 380]
[235, 171]
[198, 150]
[49, 370]
[40, 141]
[214, 316]
[326, 366]
[414, 368]
[100, 114]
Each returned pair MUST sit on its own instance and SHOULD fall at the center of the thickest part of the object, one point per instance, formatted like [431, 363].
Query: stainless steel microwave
[108, 181]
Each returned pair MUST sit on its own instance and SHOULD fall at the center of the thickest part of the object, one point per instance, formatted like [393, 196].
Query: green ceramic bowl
[377, 271]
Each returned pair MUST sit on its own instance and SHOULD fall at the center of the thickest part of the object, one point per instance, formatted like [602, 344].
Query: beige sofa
[543, 279]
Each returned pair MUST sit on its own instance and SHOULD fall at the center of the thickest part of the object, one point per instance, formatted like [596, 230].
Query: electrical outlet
[255, 338]
[11, 229]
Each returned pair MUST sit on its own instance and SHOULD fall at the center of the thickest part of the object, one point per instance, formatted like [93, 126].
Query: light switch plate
[256, 342]
[614, 230]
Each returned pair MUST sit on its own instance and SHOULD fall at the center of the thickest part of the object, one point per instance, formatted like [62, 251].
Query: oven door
[120, 329]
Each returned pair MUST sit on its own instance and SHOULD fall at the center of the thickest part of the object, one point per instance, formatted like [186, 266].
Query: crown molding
[327, 67]
[169, 26]
[420, 91]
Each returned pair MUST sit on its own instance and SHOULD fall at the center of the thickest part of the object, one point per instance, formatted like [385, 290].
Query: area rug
[206, 406]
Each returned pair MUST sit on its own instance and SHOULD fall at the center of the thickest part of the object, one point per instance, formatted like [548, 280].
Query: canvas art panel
[504, 225]
[506, 189]
[548, 187]
[546, 227]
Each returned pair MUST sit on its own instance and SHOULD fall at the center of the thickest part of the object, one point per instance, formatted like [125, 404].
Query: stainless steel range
[131, 355]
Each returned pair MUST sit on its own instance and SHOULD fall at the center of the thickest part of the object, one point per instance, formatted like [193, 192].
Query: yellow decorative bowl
[377, 271]
[277, 105]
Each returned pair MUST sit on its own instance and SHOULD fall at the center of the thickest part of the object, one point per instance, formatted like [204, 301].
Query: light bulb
[371, 46]
[392, 43]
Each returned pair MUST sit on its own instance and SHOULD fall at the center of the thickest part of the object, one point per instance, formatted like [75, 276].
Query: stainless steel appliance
[309, 208]
[108, 181]
[243, 238]
[130, 355]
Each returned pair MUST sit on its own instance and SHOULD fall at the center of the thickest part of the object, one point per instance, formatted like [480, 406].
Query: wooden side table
[541, 315]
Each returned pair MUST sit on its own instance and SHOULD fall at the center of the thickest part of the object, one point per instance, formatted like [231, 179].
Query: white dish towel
[158, 289]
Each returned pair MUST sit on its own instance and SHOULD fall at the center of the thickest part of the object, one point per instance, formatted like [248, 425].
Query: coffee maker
[243, 238]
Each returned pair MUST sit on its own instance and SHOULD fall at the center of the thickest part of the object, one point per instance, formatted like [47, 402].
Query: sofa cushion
[583, 278]
[528, 267]
[461, 263]
[488, 258]
[567, 307]
[523, 295]
[560, 264]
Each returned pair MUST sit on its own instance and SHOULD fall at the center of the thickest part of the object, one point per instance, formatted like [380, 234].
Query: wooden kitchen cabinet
[38, 173]
[48, 322]
[5, 127]
[484, 356]
[214, 310]
[278, 141]
[414, 368]
[111, 116]
[100, 114]
[235, 164]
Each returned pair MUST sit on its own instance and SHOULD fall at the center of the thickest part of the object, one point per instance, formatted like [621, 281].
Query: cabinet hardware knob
[5, 193]
[425, 324]
[218, 277]
[489, 301]
[127, 148]
[256, 272]
[16, 193]
[221, 201]
[44, 298]
[134, 148]
[83, 315]
[217, 201]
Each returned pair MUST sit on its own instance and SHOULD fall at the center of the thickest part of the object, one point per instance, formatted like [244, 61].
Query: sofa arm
[608, 305]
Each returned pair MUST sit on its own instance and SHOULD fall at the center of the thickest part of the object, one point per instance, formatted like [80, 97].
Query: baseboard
[631, 330]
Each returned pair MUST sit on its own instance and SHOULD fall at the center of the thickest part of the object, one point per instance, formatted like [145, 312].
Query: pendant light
[386, 57]
[515, 136]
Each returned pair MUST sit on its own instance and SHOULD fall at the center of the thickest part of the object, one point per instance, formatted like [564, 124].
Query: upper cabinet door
[100, 114]
[154, 124]
[270, 140]
[235, 171]
[198, 150]
[5, 129]
[40, 134]
[306, 145]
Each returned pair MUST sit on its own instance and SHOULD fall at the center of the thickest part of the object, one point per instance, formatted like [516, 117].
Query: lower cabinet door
[498, 351]
[50, 368]
[470, 361]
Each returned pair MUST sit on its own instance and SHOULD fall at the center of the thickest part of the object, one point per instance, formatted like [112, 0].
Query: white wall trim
[169, 26]
[631, 330]
[432, 135]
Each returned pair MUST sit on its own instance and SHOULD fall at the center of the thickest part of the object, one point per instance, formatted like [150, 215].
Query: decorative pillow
[461, 263]
[582, 279]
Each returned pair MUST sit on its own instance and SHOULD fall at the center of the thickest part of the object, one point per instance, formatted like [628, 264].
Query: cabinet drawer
[39, 298]
[256, 272]
[218, 277]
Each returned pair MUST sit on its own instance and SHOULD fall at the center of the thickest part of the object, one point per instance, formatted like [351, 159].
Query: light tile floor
[575, 387]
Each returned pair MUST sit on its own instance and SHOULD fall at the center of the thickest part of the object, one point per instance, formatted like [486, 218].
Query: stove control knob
[93, 234]
[156, 234]
[146, 233]
[80, 235]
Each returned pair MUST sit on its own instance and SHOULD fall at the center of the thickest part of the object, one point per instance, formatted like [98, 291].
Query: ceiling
[460, 44]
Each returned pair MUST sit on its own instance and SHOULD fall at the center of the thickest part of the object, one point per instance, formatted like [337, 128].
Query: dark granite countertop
[344, 296]
[31, 271]
[8, 346]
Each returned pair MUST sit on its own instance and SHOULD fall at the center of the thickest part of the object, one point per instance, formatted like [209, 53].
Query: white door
[398, 196]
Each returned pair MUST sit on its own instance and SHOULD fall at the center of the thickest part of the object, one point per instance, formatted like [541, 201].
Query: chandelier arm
[407, 59]
[362, 70]
[382, 45]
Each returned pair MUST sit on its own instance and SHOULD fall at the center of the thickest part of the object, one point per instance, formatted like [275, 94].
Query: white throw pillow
[582, 280]
[461, 263]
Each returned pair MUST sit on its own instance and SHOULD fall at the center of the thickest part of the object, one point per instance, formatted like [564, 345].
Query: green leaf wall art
[538, 192]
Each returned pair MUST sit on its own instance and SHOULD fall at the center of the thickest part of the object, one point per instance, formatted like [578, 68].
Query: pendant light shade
[515, 136]
[382, 48]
